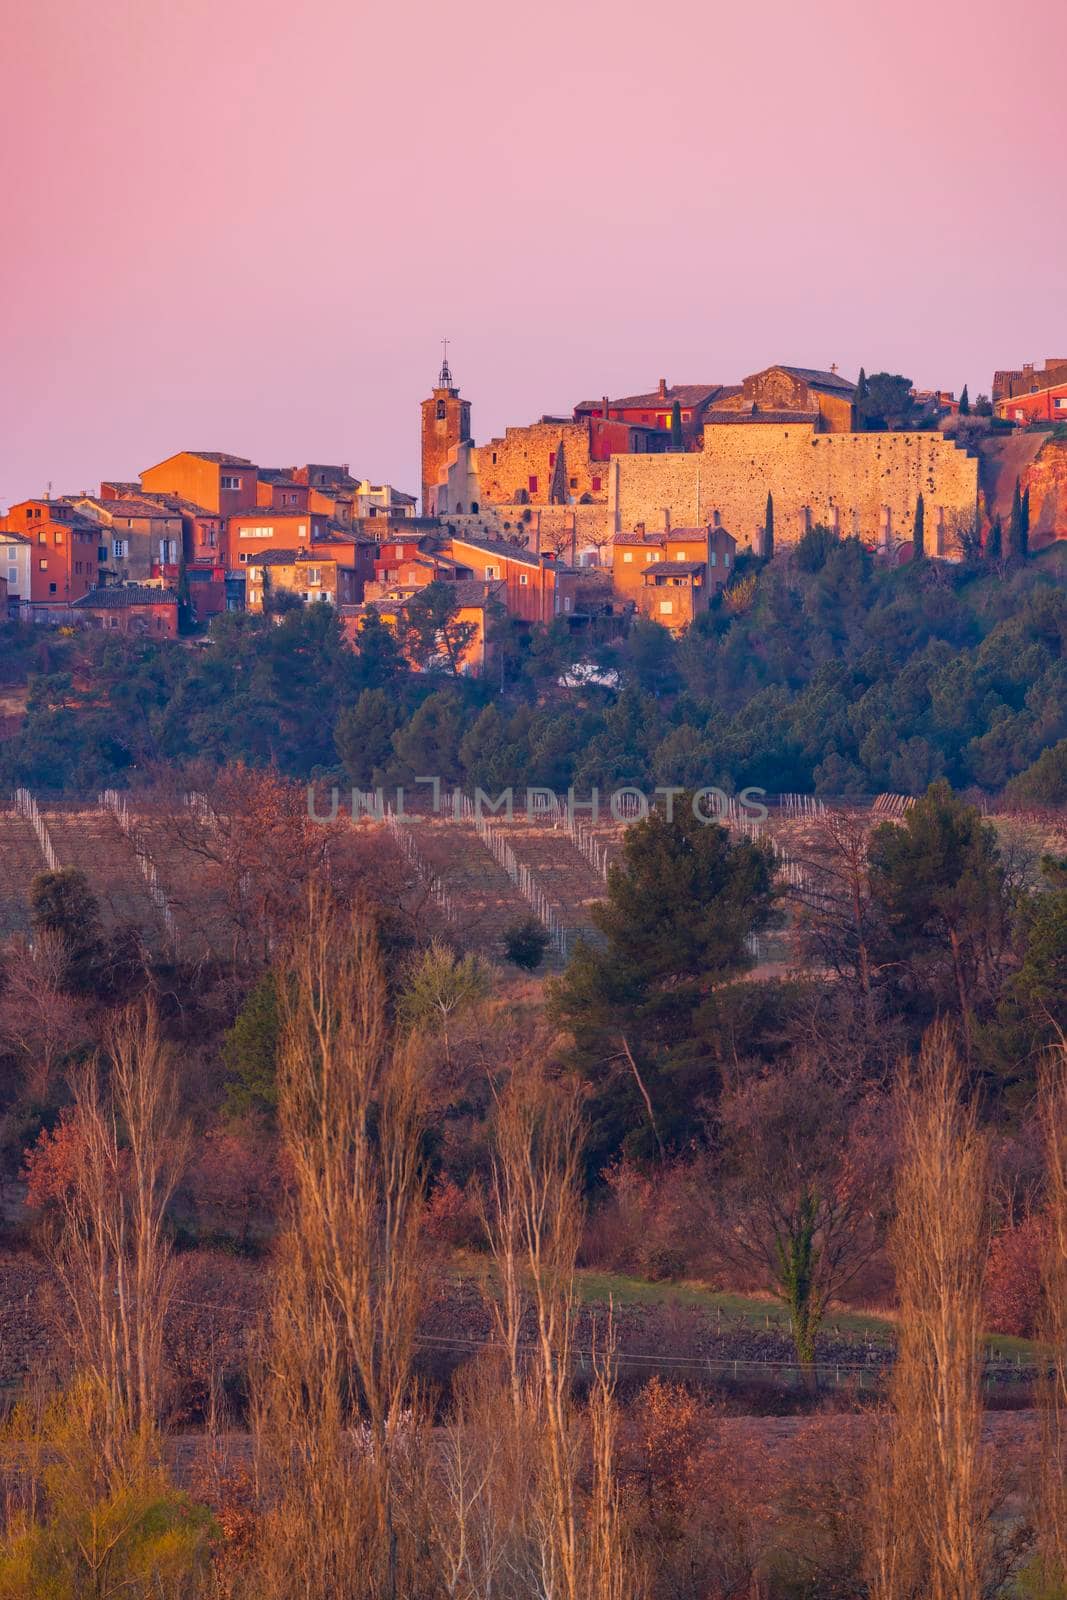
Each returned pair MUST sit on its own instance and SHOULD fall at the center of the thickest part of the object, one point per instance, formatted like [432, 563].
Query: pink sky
[235, 225]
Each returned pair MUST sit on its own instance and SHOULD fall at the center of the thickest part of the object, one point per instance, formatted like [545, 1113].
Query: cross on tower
[445, 380]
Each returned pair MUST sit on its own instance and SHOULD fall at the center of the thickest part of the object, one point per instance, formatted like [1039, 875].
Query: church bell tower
[446, 422]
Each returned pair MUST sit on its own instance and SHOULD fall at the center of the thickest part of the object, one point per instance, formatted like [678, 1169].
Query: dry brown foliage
[1052, 1511]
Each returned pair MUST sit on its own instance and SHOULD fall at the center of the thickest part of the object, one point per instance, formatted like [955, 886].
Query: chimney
[605, 408]
[663, 388]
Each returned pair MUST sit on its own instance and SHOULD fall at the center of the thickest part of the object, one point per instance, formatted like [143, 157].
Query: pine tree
[965, 403]
[768, 529]
[918, 548]
[676, 427]
[994, 545]
[859, 399]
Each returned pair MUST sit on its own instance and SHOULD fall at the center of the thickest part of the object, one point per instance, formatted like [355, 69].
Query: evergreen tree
[185, 605]
[676, 426]
[642, 1002]
[1024, 524]
[768, 529]
[994, 545]
[1016, 538]
[918, 547]
[557, 490]
[965, 403]
[859, 400]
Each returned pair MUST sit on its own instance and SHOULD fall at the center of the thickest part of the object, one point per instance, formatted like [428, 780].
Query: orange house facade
[64, 560]
[536, 588]
[1041, 405]
[671, 576]
[210, 478]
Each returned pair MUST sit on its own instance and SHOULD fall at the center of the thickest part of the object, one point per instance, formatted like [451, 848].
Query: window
[302, 531]
[1061, 402]
[726, 558]
[57, 537]
[523, 579]
[552, 458]
[120, 548]
[129, 522]
[596, 485]
[681, 556]
[442, 411]
[78, 568]
[43, 564]
[532, 481]
[255, 533]
[566, 602]
[51, 588]
[491, 572]
[315, 577]
[627, 555]
[713, 559]
[229, 482]
[666, 606]
[574, 483]
[687, 416]
[101, 554]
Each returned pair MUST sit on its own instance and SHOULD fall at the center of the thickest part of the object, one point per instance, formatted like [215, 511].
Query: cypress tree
[1024, 524]
[994, 545]
[965, 403]
[859, 400]
[1015, 527]
[918, 545]
[768, 529]
[676, 426]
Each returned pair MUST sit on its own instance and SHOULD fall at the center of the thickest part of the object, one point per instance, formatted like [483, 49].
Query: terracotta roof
[220, 458]
[496, 547]
[177, 503]
[815, 378]
[133, 506]
[656, 538]
[278, 475]
[128, 594]
[686, 394]
[720, 419]
[285, 558]
[672, 569]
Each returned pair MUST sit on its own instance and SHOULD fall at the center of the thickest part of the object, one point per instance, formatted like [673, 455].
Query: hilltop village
[639, 505]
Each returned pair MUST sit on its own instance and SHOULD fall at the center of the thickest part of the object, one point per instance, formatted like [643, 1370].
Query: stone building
[1029, 379]
[782, 393]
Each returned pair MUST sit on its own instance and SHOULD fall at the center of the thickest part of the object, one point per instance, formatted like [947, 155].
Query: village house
[1038, 405]
[537, 588]
[64, 563]
[210, 478]
[276, 487]
[672, 575]
[306, 574]
[139, 538]
[1029, 379]
[16, 554]
[476, 603]
[132, 608]
[651, 415]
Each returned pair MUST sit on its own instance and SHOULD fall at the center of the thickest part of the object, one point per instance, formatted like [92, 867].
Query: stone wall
[863, 483]
[507, 466]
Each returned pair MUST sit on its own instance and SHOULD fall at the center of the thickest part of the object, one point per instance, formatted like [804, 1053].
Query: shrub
[1013, 1277]
[525, 944]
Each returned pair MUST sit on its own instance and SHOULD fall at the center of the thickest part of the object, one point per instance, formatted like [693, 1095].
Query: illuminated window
[666, 606]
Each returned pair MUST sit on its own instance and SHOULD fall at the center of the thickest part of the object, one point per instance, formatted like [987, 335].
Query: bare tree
[932, 1490]
[800, 1191]
[335, 1417]
[111, 1251]
[1052, 1521]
